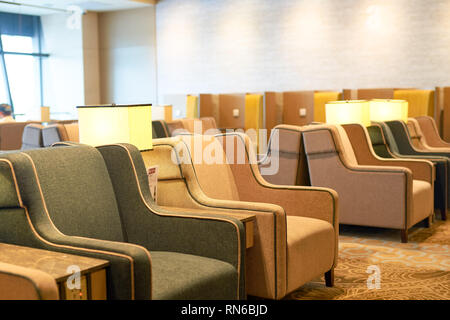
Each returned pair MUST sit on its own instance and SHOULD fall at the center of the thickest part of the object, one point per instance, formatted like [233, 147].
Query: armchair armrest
[129, 275]
[420, 169]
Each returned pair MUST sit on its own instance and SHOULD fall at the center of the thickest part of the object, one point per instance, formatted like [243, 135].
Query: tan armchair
[18, 283]
[390, 196]
[431, 132]
[296, 228]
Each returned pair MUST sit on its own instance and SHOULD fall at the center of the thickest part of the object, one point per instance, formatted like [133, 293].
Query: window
[21, 64]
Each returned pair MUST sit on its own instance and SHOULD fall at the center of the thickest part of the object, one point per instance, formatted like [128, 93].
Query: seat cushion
[422, 201]
[178, 276]
[310, 250]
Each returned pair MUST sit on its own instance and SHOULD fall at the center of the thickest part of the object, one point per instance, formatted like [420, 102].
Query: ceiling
[87, 5]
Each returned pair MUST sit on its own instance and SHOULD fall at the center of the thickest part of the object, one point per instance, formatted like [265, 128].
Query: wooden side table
[61, 267]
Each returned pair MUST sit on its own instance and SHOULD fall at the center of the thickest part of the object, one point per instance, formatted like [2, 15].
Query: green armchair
[399, 141]
[96, 202]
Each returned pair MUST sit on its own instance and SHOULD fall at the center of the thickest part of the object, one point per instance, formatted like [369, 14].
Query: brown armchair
[296, 228]
[431, 132]
[370, 195]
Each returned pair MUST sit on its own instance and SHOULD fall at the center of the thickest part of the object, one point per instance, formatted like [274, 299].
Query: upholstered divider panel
[293, 101]
[254, 118]
[446, 114]
[420, 102]
[228, 104]
[273, 107]
[11, 134]
[320, 99]
[192, 106]
[209, 105]
[383, 93]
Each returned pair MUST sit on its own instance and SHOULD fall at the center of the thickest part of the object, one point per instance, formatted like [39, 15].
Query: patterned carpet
[418, 270]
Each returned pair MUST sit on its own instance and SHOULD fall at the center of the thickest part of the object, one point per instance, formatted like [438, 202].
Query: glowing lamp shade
[100, 125]
[387, 110]
[348, 111]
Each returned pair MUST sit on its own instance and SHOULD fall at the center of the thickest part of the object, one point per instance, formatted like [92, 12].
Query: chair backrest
[362, 145]
[287, 145]
[378, 141]
[389, 137]
[346, 147]
[72, 185]
[416, 134]
[160, 129]
[32, 136]
[399, 133]
[60, 132]
[175, 127]
[430, 132]
[326, 153]
[209, 125]
[211, 166]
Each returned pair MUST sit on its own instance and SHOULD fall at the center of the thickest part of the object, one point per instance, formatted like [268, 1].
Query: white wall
[63, 77]
[255, 45]
[127, 56]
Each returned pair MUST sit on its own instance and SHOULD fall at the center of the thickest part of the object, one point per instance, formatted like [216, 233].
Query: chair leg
[329, 278]
[404, 235]
[429, 221]
[444, 214]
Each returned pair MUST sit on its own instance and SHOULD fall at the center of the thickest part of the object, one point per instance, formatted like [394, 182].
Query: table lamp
[347, 111]
[108, 124]
[388, 109]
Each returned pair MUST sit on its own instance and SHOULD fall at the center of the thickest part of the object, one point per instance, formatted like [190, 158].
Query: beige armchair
[388, 196]
[296, 228]
[431, 132]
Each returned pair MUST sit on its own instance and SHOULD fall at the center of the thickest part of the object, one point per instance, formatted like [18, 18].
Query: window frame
[4, 69]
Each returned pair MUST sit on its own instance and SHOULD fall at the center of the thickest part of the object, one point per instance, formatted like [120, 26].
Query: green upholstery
[100, 201]
[378, 142]
[32, 227]
[160, 129]
[202, 237]
[8, 193]
[93, 209]
[197, 275]
[398, 142]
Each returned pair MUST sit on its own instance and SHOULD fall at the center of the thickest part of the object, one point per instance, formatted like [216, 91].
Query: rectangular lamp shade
[387, 110]
[347, 112]
[100, 125]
